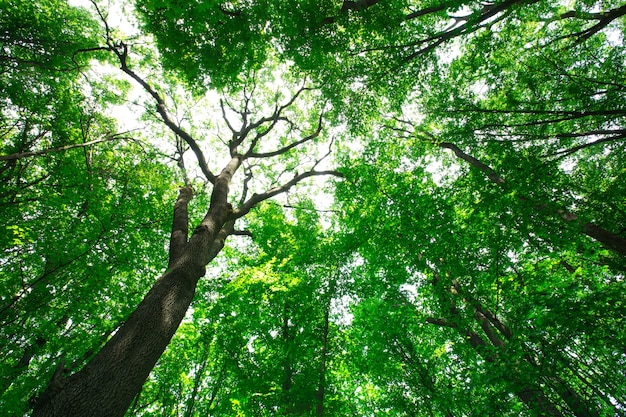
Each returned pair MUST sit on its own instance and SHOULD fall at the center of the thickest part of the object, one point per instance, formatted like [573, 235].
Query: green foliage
[455, 275]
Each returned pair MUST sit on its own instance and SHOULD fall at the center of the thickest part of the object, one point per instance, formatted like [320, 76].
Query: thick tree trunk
[107, 385]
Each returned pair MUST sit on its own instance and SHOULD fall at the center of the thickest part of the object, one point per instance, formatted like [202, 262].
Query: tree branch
[291, 145]
[566, 152]
[604, 19]
[180, 225]
[274, 118]
[20, 155]
[258, 198]
[121, 50]
[607, 239]
[491, 174]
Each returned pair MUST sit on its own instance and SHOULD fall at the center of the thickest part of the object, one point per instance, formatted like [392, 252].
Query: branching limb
[180, 161]
[292, 145]
[277, 115]
[603, 18]
[230, 126]
[121, 51]
[606, 238]
[258, 198]
[470, 25]
[567, 152]
[491, 174]
[20, 155]
[327, 154]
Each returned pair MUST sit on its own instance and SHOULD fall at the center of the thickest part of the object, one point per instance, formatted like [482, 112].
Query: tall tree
[110, 379]
[479, 247]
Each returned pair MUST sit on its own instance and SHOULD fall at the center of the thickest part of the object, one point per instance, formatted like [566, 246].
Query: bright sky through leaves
[166, 251]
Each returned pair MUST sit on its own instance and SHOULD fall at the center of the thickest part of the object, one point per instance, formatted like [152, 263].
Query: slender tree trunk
[287, 369]
[529, 393]
[197, 380]
[609, 240]
[321, 388]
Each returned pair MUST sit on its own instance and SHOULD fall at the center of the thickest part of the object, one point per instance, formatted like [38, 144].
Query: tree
[143, 337]
[106, 383]
[496, 303]
[473, 261]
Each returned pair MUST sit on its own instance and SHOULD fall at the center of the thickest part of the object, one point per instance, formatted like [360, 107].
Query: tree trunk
[287, 369]
[530, 393]
[107, 385]
[609, 240]
[321, 387]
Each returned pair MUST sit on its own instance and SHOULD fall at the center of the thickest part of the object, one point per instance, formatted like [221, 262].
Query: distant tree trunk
[321, 388]
[197, 380]
[287, 365]
[529, 392]
[108, 383]
[609, 240]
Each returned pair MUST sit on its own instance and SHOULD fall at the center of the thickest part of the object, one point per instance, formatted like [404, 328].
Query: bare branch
[566, 152]
[441, 322]
[469, 26]
[20, 155]
[426, 11]
[258, 198]
[604, 19]
[290, 206]
[240, 135]
[232, 129]
[290, 146]
[330, 149]
[121, 50]
[274, 120]
[491, 174]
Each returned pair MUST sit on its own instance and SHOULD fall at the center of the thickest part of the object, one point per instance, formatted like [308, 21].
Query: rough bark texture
[107, 385]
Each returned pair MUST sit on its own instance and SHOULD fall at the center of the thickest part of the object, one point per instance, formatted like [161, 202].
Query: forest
[401, 208]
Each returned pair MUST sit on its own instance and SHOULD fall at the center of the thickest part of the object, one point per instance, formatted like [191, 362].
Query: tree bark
[107, 385]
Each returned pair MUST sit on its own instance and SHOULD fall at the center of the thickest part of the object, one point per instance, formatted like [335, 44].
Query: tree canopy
[270, 208]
